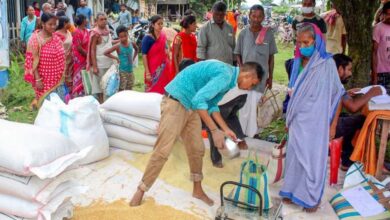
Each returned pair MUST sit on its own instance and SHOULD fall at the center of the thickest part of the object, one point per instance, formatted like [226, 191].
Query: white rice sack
[32, 188]
[33, 210]
[142, 125]
[79, 120]
[115, 131]
[145, 105]
[29, 150]
[110, 81]
[64, 211]
[133, 147]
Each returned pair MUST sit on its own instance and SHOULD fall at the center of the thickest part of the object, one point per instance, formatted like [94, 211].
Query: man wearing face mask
[348, 124]
[308, 15]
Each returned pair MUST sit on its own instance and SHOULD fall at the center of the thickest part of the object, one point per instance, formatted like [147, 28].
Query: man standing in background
[69, 11]
[216, 38]
[255, 44]
[124, 17]
[308, 15]
[47, 8]
[86, 11]
[336, 36]
[97, 62]
[216, 41]
[380, 73]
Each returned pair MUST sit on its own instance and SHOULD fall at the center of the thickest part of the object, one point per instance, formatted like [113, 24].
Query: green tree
[358, 16]
[201, 6]
[266, 2]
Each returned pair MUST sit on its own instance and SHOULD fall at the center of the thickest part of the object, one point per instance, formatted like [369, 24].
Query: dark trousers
[347, 126]
[229, 114]
[384, 80]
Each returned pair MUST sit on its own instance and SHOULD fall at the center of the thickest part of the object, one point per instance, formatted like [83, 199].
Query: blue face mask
[307, 51]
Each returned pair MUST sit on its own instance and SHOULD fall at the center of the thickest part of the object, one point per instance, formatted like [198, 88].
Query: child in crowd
[127, 51]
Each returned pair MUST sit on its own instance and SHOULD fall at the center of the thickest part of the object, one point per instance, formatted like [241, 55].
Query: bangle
[37, 80]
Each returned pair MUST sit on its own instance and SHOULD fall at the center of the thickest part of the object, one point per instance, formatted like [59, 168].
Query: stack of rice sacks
[31, 158]
[131, 120]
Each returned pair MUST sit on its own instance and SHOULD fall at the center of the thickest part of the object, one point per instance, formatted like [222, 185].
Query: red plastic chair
[335, 147]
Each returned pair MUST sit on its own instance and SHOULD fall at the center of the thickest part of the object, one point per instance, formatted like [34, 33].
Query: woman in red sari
[184, 44]
[45, 61]
[80, 48]
[155, 57]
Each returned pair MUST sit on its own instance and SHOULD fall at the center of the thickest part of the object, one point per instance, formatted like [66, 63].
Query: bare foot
[242, 145]
[34, 105]
[202, 196]
[287, 201]
[218, 165]
[311, 210]
[137, 198]
[344, 168]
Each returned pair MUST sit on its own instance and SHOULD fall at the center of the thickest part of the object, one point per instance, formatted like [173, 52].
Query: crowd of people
[207, 79]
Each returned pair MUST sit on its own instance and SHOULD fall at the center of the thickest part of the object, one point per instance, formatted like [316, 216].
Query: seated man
[348, 124]
[232, 101]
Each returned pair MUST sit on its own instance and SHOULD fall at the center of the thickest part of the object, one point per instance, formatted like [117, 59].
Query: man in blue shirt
[194, 95]
[124, 17]
[86, 11]
[115, 7]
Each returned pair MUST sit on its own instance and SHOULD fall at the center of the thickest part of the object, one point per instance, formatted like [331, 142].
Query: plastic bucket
[4, 77]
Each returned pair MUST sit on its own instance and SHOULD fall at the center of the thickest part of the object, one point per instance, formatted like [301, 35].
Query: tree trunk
[358, 16]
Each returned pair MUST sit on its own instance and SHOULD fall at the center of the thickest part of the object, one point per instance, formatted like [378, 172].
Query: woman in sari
[315, 90]
[184, 44]
[80, 48]
[37, 11]
[45, 61]
[66, 38]
[155, 57]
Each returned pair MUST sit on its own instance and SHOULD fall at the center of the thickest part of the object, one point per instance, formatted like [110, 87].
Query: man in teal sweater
[194, 95]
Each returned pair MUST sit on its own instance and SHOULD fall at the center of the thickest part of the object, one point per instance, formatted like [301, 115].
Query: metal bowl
[231, 151]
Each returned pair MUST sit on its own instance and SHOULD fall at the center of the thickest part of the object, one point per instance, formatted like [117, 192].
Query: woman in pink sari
[45, 61]
[155, 57]
[80, 48]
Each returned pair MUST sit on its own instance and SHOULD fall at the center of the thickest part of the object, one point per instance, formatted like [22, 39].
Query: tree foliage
[358, 16]
[266, 2]
[202, 6]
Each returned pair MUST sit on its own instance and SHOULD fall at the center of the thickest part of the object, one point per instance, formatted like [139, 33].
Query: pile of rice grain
[120, 210]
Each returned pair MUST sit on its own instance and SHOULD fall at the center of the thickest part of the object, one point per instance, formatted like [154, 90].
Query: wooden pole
[18, 18]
